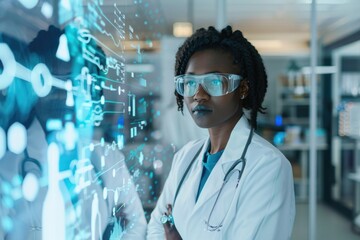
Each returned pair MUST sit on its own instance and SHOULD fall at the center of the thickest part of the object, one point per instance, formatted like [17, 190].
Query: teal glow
[2, 142]
[117, 231]
[143, 82]
[70, 135]
[62, 52]
[102, 161]
[5, 188]
[17, 138]
[141, 158]
[29, 4]
[66, 4]
[105, 193]
[120, 141]
[69, 99]
[16, 180]
[9, 66]
[7, 202]
[47, 10]
[7, 224]
[30, 187]
[116, 196]
[53, 124]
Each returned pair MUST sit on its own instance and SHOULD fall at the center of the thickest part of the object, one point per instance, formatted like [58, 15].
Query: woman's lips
[199, 109]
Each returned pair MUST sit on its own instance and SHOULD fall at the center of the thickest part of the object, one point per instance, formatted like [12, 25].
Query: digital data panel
[79, 157]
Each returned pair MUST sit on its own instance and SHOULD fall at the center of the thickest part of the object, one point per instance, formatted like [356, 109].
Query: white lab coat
[261, 208]
[114, 175]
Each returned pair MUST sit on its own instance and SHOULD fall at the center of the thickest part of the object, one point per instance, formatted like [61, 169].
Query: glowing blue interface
[79, 156]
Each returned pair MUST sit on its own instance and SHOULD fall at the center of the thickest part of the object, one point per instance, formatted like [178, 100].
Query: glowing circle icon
[30, 187]
[41, 80]
[17, 138]
[9, 66]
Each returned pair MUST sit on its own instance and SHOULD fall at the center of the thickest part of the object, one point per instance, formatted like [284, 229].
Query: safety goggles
[215, 84]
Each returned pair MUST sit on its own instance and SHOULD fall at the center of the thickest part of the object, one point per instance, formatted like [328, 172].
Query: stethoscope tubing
[225, 180]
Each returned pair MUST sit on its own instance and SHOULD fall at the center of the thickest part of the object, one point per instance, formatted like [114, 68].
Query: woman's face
[221, 111]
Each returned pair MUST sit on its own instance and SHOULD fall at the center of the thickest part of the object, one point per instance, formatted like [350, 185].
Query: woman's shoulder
[189, 150]
[193, 144]
[266, 152]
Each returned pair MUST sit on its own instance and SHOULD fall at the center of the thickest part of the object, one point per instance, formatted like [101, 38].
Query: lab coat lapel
[195, 174]
[232, 152]
[236, 143]
[211, 187]
[189, 189]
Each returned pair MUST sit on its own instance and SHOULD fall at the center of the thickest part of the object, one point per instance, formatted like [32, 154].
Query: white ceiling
[284, 21]
[282, 24]
[265, 16]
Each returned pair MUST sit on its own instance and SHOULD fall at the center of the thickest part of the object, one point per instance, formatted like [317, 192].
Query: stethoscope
[169, 218]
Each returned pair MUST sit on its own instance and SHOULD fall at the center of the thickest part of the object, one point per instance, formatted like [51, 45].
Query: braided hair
[245, 55]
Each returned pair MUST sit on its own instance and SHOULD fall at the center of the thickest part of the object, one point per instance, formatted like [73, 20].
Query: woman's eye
[216, 82]
[190, 83]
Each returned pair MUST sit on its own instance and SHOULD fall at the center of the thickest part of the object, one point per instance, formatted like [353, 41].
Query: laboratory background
[104, 95]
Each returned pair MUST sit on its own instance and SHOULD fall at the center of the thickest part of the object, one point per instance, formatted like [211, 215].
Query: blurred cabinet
[292, 138]
[345, 124]
[299, 157]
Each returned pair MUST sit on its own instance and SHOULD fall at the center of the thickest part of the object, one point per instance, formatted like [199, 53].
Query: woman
[234, 184]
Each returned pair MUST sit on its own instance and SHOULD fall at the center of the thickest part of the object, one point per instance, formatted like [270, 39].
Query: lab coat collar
[236, 144]
[232, 152]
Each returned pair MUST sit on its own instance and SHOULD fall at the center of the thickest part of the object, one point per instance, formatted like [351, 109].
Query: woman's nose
[201, 94]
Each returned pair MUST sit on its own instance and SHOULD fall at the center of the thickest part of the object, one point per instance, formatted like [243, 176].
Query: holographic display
[78, 151]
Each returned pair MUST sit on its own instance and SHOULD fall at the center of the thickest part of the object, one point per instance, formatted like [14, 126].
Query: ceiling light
[182, 29]
[332, 2]
[267, 43]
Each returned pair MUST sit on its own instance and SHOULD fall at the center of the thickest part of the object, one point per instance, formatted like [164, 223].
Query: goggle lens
[215, 84]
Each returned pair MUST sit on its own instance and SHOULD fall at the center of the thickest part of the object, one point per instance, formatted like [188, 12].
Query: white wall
[176, 128]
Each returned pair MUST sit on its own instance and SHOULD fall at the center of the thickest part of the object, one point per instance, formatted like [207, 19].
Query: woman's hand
[171, 232]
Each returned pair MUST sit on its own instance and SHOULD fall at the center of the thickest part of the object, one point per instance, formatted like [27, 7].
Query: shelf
[296, 121]
[293, 90]
[301, 147]
[293, 104]
[349, 146]
[296, 102]
[354, 176]
[350, 97]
